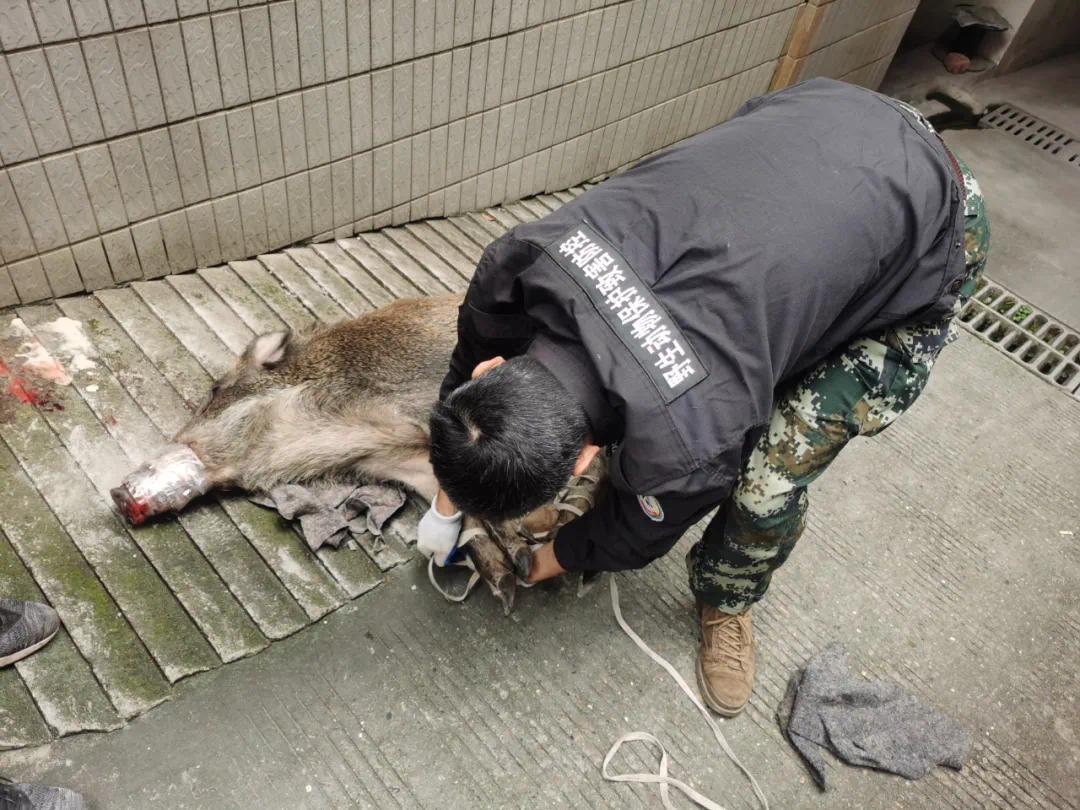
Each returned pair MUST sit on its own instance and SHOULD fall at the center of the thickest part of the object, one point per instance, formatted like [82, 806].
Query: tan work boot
[725, 665]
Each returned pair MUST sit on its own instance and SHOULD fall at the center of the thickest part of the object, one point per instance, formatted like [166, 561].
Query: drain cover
[1029, 336]
[1039, 133]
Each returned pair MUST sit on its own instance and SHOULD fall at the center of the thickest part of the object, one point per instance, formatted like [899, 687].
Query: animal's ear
[266, 351]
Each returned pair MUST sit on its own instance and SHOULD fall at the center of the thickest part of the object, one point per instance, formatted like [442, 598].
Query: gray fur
[348, 400]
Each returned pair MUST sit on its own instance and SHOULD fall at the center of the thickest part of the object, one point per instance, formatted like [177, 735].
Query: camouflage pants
[858, 392]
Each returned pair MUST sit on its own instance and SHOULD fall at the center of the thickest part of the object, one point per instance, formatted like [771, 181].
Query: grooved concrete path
[92, 385]
[945, 553]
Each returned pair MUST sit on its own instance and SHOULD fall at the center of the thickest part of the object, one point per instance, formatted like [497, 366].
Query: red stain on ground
[23, 390]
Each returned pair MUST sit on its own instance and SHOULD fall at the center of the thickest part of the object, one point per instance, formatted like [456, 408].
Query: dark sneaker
[14, 796]
[25, 627]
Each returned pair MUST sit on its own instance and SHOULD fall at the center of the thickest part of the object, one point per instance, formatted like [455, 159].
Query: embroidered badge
[651, 507]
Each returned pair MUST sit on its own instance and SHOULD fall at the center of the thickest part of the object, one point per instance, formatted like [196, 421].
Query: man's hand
[443, 505]
[437, 533]
[487, 365]
[544, 564]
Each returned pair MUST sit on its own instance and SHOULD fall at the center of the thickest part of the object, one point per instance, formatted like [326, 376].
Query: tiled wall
[146, 137]
[853, 40]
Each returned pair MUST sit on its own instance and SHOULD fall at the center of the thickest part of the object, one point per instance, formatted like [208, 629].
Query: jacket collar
[570, 365]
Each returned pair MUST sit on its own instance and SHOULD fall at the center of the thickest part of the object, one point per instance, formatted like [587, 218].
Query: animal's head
[259, 369]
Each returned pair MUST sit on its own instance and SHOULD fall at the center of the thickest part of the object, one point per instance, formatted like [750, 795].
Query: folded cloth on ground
[328, 513]
[869, 723]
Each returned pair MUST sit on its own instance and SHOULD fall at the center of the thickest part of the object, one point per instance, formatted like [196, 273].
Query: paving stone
[330, 281]
[280, 548]
[352, 271]
[445, 249]
[91, 616]
[106, 458]
[415, 251]
[75, 477]
[20, 723]
[381, 271]
[458, 238]
[214, 312]
[287, 306]
[403, 264]
[241, 299]
[68, 696]
[158, 414]
[182, 321]
[293, 278]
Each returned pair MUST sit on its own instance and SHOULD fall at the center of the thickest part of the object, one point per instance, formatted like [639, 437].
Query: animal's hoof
[133, 510]
[505, 588]
[523, 558]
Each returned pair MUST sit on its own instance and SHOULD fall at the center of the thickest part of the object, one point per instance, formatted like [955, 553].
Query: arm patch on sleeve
[630, 309]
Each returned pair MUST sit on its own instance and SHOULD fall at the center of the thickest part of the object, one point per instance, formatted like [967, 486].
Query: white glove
[437, 535]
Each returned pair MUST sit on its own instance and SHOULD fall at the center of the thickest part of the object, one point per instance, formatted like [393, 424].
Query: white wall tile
[140, 73]
[204, 234]
[259, 53]
[214, 134]
[18, 243]
[39, 99]
[161, 169]
[293, 137]
[120, 251]
[38, 205]
[101, 184]
[268, 139]
[190, 163]
[310, 39]
[17, 29]
[63, 276]
[71, 197]
[172, 68]
[202, 64]
[76, 97]
[16, 140]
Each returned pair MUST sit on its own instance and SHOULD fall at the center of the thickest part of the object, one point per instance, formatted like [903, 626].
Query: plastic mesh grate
[1039, 133]
[1028, 335]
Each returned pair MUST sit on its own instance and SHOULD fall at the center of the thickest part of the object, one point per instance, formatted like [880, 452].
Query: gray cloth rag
[868, 723]
[328, 513]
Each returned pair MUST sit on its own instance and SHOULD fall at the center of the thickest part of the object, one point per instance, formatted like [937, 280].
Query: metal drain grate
[1037, 132]
[1029, 336]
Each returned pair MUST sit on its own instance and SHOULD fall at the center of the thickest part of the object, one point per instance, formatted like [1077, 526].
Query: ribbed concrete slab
[148, 607]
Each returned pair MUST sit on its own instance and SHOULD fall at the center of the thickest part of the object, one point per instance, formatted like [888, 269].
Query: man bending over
[722, 319]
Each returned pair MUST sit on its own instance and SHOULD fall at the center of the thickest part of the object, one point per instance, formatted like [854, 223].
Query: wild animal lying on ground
[349, 401]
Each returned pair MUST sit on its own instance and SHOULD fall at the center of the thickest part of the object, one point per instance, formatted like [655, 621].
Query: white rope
[463, 540]
[661, 777]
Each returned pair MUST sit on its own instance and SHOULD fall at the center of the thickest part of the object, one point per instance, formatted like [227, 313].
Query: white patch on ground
[74, 343]
[287, 565]
[35, 359]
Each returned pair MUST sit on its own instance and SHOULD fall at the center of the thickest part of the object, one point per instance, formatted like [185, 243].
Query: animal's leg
[491, 563]
[516, 548]
[409, 468]
[573, 500]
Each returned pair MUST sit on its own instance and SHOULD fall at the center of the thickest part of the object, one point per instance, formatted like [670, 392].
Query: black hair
[505, 443]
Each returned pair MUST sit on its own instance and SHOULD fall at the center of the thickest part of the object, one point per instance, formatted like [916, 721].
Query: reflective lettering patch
[630, 309]
[651, 507]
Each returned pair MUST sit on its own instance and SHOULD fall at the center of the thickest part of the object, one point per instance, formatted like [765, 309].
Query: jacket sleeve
[492, 319]
[617, 534]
